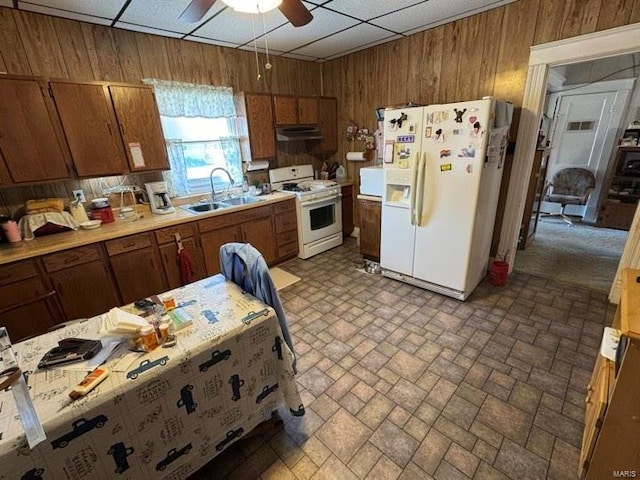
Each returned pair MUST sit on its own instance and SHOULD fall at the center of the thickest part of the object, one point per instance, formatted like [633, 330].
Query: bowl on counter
[91, 224]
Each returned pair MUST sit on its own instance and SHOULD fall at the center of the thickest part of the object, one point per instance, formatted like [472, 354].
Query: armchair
[569, 186]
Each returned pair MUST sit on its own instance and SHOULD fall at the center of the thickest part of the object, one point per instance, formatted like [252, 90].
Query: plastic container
[103, 213]
[148, 337]
[11, 231]
[341, 174]
[498, 272]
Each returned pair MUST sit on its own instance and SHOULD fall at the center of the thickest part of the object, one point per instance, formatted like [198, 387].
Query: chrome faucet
[213, 191]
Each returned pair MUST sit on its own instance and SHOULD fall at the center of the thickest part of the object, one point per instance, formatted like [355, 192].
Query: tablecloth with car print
[172, 411]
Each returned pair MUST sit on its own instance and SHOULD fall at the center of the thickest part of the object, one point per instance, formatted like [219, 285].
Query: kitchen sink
[204, 207]
[244, 200]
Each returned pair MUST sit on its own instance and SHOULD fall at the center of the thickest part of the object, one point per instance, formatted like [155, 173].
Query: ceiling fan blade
[296, 12]
[196, 10]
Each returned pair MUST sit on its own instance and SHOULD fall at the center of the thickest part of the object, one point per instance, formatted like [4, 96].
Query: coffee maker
[159, 198]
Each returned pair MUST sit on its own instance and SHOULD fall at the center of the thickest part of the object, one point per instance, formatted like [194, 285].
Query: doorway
[607, 43]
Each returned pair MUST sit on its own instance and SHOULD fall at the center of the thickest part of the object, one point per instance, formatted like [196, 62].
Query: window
[198, 122]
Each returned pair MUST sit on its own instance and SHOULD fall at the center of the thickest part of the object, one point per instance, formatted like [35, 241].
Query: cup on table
[11, 231]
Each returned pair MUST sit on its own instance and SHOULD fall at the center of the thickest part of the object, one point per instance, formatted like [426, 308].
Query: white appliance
[443, 169]
[159, 198]
[318, 208]
[372, 181]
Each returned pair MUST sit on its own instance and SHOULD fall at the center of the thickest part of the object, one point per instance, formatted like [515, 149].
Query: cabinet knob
[587, 400]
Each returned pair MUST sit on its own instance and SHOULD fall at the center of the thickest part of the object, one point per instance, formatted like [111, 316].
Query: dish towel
[30, 223]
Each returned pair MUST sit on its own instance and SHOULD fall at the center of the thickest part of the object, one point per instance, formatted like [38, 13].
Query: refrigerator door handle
[420, 192]
[421, 221]
[412, 192]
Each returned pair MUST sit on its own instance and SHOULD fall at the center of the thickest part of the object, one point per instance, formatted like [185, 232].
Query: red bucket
[498, 271]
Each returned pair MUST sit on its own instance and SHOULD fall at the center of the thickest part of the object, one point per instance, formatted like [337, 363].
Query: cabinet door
[30, 319]
[307, 110]
[140, 127]
[262, 136]
[211, 243]
[370, 225]
[96, 151]
[169, 254]
[259, 233]
[347, 210]
[328, 125]
[5, 178]
[285, 109]
[31, 141]
[139, 274]
[85, 290]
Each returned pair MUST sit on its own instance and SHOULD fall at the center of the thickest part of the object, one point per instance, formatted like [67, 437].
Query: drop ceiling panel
[94, 8]
[144, 29]
[367, 9]
[355, 37]
[164, 14]
[236, 27]
[362, 47]
[210, 41]
[324, 23]
[59, 13]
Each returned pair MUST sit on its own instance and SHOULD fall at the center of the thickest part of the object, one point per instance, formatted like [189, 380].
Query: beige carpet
[579, 255]
[281, 278]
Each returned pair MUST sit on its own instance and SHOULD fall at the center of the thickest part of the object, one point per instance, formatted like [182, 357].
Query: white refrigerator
[442, 172]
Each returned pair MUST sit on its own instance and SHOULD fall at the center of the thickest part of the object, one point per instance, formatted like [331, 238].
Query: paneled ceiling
[339, 27]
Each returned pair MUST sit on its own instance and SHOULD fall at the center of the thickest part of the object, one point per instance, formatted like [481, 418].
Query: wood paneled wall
[485, 54]
[35, 44]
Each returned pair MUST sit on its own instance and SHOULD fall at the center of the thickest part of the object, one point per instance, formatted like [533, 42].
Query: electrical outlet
[79, 195]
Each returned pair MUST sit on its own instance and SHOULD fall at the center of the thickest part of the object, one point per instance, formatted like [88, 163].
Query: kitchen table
[162, 414]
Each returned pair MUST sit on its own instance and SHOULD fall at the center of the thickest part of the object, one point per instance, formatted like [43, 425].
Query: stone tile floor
[399, 382]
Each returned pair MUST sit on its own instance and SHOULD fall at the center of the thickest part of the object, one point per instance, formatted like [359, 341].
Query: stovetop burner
[291, 187]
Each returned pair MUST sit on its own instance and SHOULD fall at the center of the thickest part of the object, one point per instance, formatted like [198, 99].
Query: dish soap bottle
[341, 174]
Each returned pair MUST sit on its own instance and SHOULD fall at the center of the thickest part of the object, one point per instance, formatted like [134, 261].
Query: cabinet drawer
[287, 237]
[21, 293]
[233, 218]
[165, 235]
[285, 222]
[70, 258]
[287, 250]
[285, 206]
[15, 272]
[128, 244]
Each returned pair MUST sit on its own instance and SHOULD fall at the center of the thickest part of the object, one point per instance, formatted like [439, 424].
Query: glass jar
[148, 337]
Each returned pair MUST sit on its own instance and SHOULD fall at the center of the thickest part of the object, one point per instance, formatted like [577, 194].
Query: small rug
[281, 278]
[579, 254]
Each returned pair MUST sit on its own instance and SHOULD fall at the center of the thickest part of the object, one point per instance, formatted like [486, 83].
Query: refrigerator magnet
[445, 167]
[469, 168]
[438, 137]
[412, 128]
[445, 152]
[459, 114]
[467, 152]
[388, 151]
[429, 118]
[428, 132]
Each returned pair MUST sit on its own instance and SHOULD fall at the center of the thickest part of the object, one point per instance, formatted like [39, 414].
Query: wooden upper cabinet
[139, 123]
[292, 110]
[31, 140]
[328, 125]
[307, 110]
[90, 127]
[257, 134]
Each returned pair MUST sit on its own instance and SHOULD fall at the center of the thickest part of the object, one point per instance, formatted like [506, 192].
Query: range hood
[289, 134]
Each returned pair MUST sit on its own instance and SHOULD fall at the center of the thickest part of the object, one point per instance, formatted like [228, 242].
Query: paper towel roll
[258, 165]
[356, 156]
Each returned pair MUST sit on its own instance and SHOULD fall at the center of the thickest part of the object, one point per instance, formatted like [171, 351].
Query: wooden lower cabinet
[136, 266]
[166, 238]
[286, 227]
[259, 233]
[27, 303]
[370, 227]
[211, 243]
[616, 215]
[347, 210]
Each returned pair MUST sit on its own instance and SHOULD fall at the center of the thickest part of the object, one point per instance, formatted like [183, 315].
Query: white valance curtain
[179, 99]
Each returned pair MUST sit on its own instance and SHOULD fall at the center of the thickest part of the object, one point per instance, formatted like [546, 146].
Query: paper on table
[108, 348]
[119, 322]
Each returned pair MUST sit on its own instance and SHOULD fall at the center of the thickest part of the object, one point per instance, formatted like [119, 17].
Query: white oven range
[318, 208]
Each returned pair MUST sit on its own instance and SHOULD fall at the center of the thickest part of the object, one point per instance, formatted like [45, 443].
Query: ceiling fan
[294, 10]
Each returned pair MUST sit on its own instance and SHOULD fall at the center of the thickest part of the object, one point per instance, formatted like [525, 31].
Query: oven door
[320, 218]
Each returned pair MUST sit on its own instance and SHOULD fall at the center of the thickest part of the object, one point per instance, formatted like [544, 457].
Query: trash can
[498, 271]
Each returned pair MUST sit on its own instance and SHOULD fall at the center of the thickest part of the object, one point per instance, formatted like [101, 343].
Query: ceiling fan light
[253, 6]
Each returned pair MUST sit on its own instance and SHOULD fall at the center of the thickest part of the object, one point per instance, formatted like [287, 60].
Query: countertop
[120, 228]
[372, 198]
